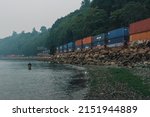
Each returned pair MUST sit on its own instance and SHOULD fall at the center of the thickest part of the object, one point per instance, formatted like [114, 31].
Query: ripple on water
[44, 81]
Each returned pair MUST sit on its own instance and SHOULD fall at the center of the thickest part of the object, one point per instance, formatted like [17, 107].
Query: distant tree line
[92, 18]
[24, 43]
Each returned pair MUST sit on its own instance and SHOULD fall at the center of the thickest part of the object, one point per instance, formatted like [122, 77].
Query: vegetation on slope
[98, 16]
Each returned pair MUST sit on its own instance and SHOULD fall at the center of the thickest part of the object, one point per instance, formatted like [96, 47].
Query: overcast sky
[19, 15]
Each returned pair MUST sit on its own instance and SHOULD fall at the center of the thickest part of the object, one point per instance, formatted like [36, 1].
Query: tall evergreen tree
[85, 4]
[43, 29]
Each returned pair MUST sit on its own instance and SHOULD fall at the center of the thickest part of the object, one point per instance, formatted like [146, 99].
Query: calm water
[44, 81]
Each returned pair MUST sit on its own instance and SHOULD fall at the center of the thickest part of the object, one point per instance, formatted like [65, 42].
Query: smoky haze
[23, 15]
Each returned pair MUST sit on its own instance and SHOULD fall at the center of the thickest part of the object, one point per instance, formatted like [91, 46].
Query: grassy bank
[118, 83]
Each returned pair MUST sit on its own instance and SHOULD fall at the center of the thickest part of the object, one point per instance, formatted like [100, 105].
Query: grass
[116, 83]
[98, 76]
[123, 75]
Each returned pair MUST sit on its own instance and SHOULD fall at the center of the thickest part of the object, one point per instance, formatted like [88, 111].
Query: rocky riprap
[129, 56]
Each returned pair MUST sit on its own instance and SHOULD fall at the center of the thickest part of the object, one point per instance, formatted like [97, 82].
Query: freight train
[136, 32]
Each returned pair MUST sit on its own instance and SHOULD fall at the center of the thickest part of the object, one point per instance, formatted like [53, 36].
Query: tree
[99, 16]
[107, 5]
[43, 29]
[34, 32]
[14, 33]
[85, 4]
[147, 4]
[131, 12]
[95, 22]
[23, 32]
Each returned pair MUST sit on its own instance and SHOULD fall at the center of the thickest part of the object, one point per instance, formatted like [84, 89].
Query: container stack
[78, 44]
[140, 31]
[87, 42]
[118, 37]
[99, 40]
[71, 46]
[57, 50]
[65, 48]
[61, 49]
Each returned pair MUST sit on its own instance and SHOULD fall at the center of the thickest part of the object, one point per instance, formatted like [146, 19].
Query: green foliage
[103, 4]
[147, 4]
[85, 4]
[81, 23]
[98, 16]
[108, 82]
[43, 29]
[133, 11]
[23, 43]
[14, 33]
[125, 76]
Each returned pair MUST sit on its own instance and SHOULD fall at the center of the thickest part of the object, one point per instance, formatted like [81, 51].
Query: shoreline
[111, 74]
[110, 82]
[120, 56]
[118, 83]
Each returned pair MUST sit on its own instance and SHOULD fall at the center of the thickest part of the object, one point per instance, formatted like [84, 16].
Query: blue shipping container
[71, 46]
[57, 49]
[65, 48]
[61, 49]
[87, 46]
[116, 42]
[98, 43]
[78, 48]
[121, 32]
[100, 37]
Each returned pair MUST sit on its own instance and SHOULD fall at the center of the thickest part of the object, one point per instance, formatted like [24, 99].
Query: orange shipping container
[140, 26]
[87, 40]
[78, 42]
[140, 36]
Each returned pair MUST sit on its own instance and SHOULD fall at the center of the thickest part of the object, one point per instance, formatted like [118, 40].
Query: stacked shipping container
[140, 31]
[87, 42]
[78, 44]
[99, 40]
[71, 46]
[117, 37]
[57, 50]
[65, 48]
[61, 49]
[140, 36]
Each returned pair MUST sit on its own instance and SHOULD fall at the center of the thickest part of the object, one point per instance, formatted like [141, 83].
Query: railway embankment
[119, 56]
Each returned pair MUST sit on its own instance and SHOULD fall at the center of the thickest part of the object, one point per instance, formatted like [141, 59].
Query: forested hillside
[24, 43]
[98, 17]
[92, 18]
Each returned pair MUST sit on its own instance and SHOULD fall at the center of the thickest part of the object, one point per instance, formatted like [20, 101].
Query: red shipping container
[144, 36]
[87, 40]
[140, 26]
[78, 42]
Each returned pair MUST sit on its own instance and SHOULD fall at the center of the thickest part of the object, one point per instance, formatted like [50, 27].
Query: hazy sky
[19, 15]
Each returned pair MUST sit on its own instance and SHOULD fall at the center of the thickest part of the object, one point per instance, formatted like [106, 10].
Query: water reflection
[45, 81]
